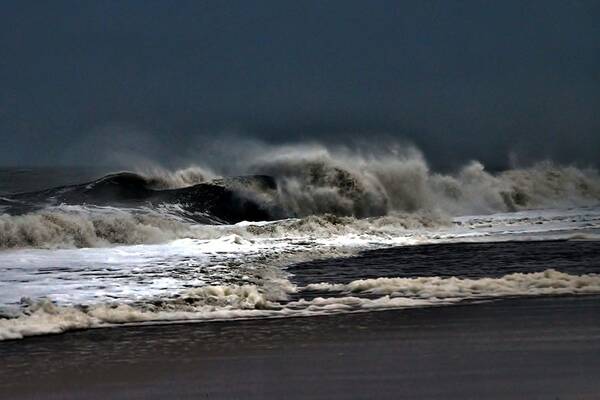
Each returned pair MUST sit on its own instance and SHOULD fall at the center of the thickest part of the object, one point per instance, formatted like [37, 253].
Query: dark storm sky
[461, 80]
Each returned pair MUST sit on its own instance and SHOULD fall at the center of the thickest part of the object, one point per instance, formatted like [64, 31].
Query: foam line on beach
[251, 301]
[548, 282]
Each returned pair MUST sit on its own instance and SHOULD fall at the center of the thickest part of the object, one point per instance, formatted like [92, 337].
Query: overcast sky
[460, 79]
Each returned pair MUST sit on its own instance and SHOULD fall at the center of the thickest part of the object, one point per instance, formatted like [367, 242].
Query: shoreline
[529, 348]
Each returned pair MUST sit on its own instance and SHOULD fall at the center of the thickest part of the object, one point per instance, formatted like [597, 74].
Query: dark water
[17, 180]
[473, 260]
[217, 201]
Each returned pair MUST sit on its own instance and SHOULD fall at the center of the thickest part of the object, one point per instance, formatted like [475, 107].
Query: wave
[317, 180]
[311, 189]
[91, 226]
[251, 301]
[218, 201]
[161, 178]
[298, 181]
[87, 227]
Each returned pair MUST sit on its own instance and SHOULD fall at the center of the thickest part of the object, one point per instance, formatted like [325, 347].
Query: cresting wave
[326, 189]
[315, 180]
[250, 301]
[72, 226]
[91, 226]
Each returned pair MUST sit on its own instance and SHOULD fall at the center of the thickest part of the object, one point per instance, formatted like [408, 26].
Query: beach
[535, 348]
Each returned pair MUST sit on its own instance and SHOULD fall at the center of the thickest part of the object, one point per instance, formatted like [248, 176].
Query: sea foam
[250, 301]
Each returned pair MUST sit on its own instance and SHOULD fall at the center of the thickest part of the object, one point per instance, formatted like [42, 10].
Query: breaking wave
[161, 178]
[309, 189]
[316, 180]
[79, 226]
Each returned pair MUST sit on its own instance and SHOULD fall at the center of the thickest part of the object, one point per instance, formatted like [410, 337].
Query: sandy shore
[545, 348]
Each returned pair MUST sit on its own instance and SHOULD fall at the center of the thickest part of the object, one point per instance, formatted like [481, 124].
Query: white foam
[314, 180]
[549, 282]
[250, 301]
[246, 252]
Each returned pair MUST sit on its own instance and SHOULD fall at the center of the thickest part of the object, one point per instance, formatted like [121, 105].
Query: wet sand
[543, 348]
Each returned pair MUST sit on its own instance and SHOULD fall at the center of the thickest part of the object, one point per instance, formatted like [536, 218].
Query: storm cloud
[84, 82]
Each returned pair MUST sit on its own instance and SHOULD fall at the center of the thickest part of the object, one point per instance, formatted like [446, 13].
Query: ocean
[300, 236]
[297, 238]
